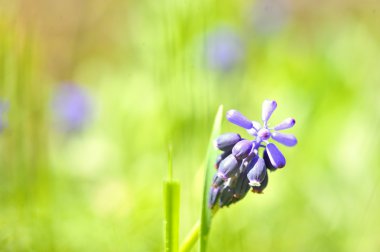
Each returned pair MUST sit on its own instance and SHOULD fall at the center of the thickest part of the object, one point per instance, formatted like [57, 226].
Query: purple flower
[264, 133]
[4, 106]
[240, 166]
[71, 107]
[224, 49]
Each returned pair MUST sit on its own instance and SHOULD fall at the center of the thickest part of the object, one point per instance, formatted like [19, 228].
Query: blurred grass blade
[206, 214]
[171, 201]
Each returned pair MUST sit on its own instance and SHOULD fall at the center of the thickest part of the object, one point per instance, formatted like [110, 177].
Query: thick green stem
[171, 200]
[191, 238]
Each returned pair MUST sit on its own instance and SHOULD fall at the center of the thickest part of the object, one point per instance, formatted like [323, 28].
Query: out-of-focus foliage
[144, 65]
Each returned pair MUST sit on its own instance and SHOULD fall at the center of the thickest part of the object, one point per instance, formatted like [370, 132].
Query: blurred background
[92, 93]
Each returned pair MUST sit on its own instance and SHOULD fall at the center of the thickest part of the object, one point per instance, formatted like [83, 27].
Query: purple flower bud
[268, 164]
[242, 149]
[221, 157]
[275, 156]
[285, 139]
[257, 174]
[262, 186]
[228, 167]
[268, 107]
[216, 181]
[237, 118]
[226, 196]
[286, 124]
[213, 196]
[226, 141]
[241, 186]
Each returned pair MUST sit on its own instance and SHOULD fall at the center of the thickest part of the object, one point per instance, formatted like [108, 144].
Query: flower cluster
[241, 167]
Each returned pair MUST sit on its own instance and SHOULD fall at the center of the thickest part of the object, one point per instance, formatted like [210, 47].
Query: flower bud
[241, 186]
[267, 109]
[285, 139]
[228, 167]
[213, 196]
[262, 186]
[226, 141]
[275, 156]
[220, 158]
[242, 149]
[217, 181]
[268, 164]
[226, 196]
[257, 174]
[237, 118]
[286, 124]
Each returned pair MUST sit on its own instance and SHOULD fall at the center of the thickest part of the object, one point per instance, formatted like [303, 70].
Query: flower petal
[237, 118]
[275, 156]
[242, 149]
[267, 109]
[286, 124]
[257, 174]
[285, 139]
[226, 141]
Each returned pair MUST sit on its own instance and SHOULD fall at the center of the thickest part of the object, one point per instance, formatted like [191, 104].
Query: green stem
[193, 235]
[171, 207]
[191, 238]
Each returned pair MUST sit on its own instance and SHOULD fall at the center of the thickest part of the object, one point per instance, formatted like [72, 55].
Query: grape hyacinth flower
[241, 166]
[71, 107]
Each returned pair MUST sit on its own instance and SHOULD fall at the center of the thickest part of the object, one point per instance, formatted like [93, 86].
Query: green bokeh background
[141, 62]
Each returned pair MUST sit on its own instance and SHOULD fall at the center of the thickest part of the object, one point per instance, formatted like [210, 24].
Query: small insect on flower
[242, 165]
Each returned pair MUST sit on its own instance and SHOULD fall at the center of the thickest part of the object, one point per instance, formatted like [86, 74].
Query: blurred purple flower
[71, 107]
[224, 49]
[269, 16]
[4, 106]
